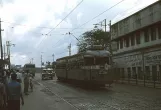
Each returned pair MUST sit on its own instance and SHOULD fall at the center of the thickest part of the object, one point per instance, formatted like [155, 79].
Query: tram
[90, 67]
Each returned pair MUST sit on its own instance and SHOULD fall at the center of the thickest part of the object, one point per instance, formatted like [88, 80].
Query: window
[140, 75]
[146, 35]
[127, 41]
[122, 73]
[138, 38]
[121, 44]
[101, 60]
[159, 31]
[117, 44]
[89, 61]
[132, 40]
[129, 72]
[134, 72]
[147, 72]
[154, 73]
[153, 33]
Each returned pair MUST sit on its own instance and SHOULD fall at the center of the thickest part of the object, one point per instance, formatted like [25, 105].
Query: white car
[47, 74]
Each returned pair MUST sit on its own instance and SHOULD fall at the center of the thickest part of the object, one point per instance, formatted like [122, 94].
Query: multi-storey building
[138, 40]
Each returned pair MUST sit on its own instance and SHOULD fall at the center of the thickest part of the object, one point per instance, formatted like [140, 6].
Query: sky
[38, 27]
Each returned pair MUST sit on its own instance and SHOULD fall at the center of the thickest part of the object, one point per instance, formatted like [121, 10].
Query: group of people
[11, 87]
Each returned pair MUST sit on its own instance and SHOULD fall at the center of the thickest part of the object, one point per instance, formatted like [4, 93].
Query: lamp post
[9, 44]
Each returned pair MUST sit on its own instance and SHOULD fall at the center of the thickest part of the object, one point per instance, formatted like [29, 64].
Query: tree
[92, 37]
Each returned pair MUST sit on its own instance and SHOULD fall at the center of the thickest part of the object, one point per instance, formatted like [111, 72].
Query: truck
[31, 68]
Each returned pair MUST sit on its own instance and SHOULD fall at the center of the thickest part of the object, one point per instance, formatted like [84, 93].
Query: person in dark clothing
[14, 94]
[2, 95]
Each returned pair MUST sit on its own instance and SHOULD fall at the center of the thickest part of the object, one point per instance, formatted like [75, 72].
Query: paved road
[54, 95]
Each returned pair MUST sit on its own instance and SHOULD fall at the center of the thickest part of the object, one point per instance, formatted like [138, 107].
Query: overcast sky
[25, 23]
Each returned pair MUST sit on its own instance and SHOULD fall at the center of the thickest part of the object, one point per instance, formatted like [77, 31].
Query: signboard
[153, 58]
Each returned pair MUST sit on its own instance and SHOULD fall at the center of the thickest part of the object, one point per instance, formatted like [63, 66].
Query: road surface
[55, 95]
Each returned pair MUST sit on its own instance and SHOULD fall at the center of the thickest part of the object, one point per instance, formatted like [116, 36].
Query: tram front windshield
[101, 60]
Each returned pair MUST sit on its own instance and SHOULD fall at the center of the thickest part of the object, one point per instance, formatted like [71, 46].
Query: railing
[153, 80]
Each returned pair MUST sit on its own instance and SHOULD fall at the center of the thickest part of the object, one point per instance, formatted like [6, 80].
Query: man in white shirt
[19, 76]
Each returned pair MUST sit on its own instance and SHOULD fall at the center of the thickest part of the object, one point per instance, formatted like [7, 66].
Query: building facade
[138, 39]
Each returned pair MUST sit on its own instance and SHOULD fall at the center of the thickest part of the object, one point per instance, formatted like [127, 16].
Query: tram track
[42, 85]
[83, 106]
[117, 98]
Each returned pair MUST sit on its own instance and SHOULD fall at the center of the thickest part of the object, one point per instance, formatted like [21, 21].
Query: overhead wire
[23, 25]
[97, 15]
[62, 20]
[65, 16]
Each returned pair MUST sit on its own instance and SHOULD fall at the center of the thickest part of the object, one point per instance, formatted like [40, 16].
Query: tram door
[154, 73]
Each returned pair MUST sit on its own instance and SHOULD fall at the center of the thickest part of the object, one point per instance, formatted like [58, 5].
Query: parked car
[47, 74]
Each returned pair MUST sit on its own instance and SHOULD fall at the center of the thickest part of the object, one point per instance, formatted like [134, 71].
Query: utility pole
[53, 57]
[41, 63]
[4, 49]
[8, 53]
[32, 59]
[110, 47]
[69, 47]
[8, 44]
[105, 25]
[1, 41]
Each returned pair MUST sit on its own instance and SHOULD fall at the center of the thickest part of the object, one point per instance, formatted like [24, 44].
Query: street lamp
[9, 44]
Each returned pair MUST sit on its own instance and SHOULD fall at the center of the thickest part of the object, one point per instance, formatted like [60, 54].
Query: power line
[65, 17]
[97, 15]
[36, 26]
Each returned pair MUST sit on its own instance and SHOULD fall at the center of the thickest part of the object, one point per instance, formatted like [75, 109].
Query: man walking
[14, 94]
[19, 76]
[26, 82]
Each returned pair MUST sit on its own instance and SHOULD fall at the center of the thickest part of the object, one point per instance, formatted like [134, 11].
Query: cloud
[31, 41]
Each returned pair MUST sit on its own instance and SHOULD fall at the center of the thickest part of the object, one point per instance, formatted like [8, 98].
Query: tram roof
[90, 53]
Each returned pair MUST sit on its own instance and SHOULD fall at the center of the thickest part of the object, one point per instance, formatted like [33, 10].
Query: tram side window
[89, 61]
[101, 60]
[61, 66]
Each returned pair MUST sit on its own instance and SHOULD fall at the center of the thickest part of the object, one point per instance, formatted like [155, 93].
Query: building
[138, 38]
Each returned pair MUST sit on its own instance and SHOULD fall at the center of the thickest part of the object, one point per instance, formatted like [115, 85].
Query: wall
[135, 59]
[145, 17]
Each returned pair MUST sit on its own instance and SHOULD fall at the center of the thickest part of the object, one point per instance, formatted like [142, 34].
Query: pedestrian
[26, 82]
[14, 94]
[31, 82]
[8, 76]
[19, 76]
[2, 95]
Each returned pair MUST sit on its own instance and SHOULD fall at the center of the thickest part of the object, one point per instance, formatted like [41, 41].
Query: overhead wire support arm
[74, 36]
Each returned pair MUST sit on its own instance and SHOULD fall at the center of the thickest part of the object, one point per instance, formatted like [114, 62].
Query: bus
[31, 68]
